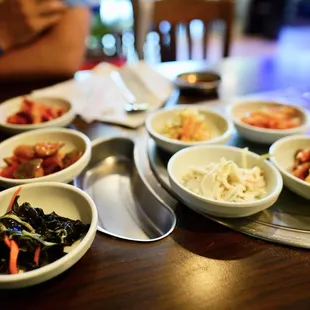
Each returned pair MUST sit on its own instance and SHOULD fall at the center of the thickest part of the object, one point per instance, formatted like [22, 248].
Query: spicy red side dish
[274, 118]
[32, 112]
[302, 165]
[32, 161]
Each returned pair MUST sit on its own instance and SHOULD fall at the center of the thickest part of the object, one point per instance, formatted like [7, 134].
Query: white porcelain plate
[66, 200]
[12, 106]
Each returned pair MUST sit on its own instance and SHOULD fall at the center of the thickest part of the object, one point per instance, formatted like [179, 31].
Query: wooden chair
[182, 12]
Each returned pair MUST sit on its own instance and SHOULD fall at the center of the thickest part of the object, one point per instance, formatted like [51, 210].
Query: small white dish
[282, 156]
[66, 200]
[221, 127]
[264, 135]
[181, 163]
[12, 106]
[72, 139]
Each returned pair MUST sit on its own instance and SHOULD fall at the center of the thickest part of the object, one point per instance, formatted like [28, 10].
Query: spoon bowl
[136, 107]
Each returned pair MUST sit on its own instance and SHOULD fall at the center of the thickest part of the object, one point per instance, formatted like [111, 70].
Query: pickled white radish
[225, 181]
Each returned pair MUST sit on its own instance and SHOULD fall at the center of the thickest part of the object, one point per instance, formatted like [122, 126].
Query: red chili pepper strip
[37, 255]
[13, 198]
[13, 257]
[7, 241]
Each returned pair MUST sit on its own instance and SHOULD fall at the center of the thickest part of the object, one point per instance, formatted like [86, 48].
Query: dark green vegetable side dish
[30, 239]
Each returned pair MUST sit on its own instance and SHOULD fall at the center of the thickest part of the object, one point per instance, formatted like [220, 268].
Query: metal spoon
[132, 105]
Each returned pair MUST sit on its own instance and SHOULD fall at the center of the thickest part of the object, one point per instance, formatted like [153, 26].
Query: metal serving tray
[286, 222]
[127, 206]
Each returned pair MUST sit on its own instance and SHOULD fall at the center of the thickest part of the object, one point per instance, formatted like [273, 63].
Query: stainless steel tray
[286, 222]
[127, 206]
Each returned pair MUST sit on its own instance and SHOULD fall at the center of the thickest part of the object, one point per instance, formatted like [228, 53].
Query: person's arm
[57, 53]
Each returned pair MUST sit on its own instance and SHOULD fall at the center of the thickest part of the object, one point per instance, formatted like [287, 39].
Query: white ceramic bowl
[65, 200]
[12, 106]
[222, 129]
[73, 139]
[263, 135]
[282, 156]
[181, 163]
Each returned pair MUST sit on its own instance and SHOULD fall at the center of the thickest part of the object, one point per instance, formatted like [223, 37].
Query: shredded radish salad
[225, 181]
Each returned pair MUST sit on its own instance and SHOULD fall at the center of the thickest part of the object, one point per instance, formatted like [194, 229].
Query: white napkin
[95, 96]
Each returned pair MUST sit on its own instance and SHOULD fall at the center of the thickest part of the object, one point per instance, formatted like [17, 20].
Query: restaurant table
[201, 265]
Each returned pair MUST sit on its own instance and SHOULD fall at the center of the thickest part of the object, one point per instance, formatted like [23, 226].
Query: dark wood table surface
[201, 265]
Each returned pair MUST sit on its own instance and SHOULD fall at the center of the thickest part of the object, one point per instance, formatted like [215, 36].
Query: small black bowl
[201, 81]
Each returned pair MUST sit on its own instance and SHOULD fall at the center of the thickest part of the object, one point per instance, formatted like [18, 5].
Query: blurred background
[259, 27]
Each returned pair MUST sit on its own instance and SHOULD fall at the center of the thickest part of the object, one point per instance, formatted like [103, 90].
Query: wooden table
[201, 265]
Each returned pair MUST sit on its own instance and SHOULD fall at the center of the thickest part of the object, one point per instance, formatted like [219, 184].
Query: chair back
[182, 12]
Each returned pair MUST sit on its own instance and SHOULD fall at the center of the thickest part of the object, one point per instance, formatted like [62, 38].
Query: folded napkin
[95, 96]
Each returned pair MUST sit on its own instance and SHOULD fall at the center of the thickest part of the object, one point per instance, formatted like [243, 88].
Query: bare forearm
[57, 53]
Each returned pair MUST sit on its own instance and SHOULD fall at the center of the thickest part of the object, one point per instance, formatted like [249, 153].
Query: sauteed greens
[30, 239]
